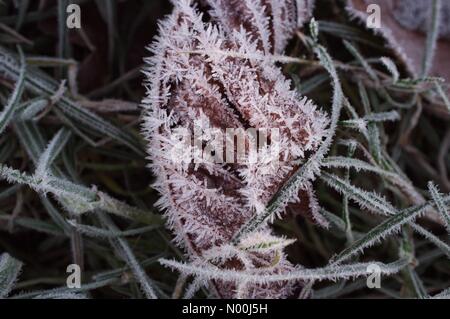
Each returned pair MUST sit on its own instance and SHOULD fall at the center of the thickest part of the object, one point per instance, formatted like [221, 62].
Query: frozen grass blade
[365, 199]
[8, 112]
[31, 138]
[64, 290]
[388, 227]
[33, 109]
[9, 271]
[108, 11]
[41, 84]
[345, 210]
[361, 124]
[65, 296]
[91, 199]
[432, 37]
[358, 165]
[53, 185]
[53, 149]
[369, 199]
[391, 67]
[23, 8]
[9, 191]
[105, 151]
[370, 71]
[96, 232]
[35, 224]
[80, 198]
[442, 208]
[7, 149]
[309, 169]
[211, 272]
[445, 248]
[62, 29]
[443, 295]
[417, 283]
[346, 32]
[443, 95]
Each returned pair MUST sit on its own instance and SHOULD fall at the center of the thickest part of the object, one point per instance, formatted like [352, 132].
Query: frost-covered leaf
[386, 228]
